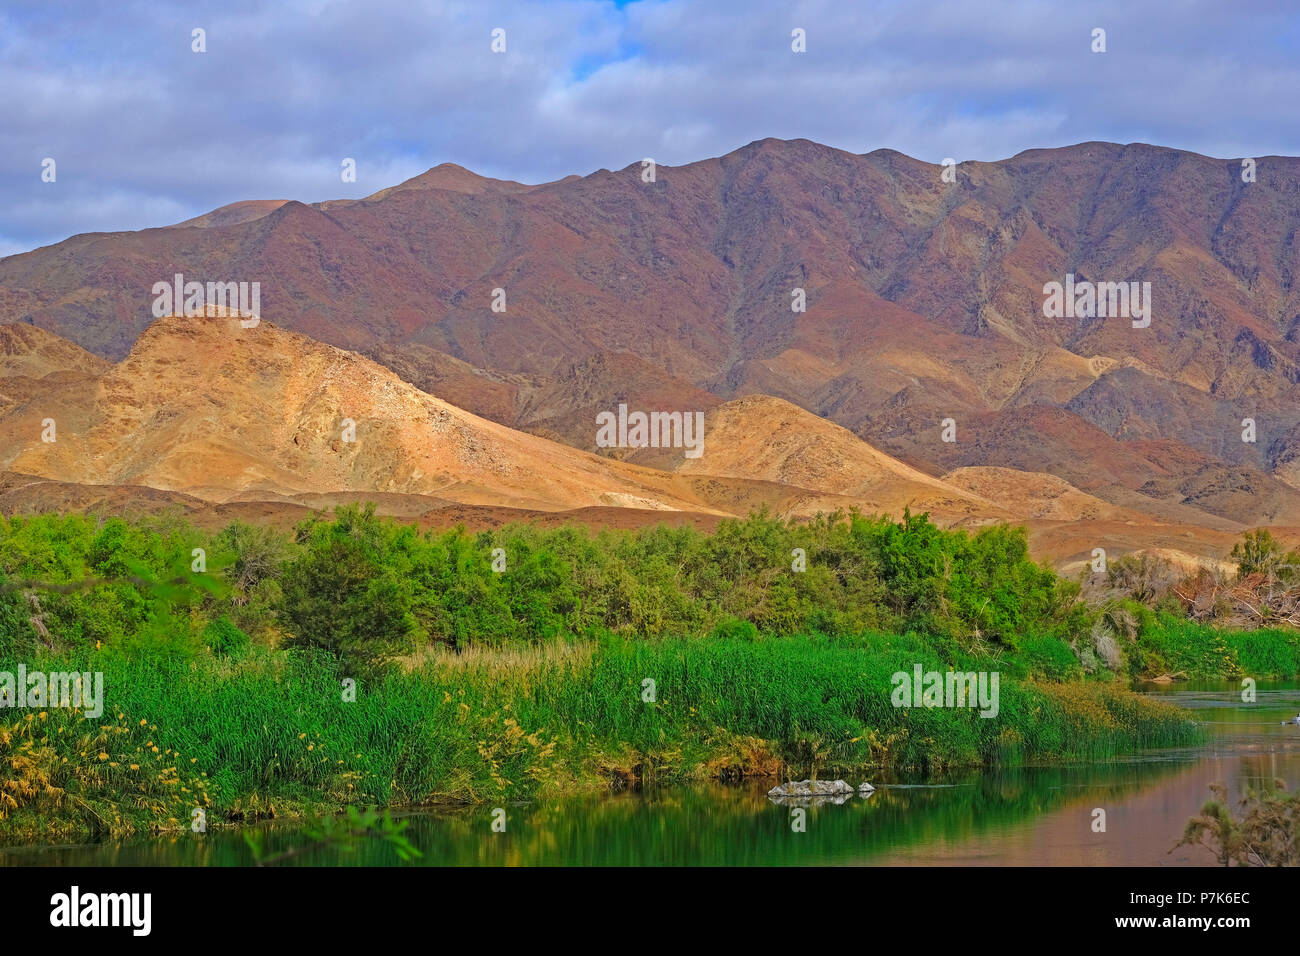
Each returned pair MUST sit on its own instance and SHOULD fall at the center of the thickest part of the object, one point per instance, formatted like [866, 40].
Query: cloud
[145, 132]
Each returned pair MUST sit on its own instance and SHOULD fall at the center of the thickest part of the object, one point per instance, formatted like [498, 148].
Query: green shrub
[733, 629]
[1049, 658]
[224, 638]
[348, 592]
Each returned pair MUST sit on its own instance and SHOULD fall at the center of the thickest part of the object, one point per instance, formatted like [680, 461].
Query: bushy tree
[250, 558]
[348, 591]
[1256, 553]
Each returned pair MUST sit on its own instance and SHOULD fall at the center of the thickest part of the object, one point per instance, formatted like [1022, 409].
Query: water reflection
[1028, 816]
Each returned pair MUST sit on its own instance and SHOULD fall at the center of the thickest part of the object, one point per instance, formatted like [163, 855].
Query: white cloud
[146, 132]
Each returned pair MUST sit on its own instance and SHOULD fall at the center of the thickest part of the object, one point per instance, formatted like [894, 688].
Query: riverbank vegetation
[360, 661]
[260, 732]
[370, 590]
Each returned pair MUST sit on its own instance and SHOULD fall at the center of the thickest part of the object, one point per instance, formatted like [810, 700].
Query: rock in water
[810, 788]
[866, 787]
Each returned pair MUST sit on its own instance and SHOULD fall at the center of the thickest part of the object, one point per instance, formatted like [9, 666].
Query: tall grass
[1170, 645]
[268, 730]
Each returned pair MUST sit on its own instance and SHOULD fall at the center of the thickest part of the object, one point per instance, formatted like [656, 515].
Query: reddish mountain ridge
[924, 303]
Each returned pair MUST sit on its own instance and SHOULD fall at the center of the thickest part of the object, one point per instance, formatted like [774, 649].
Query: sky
[144, 131]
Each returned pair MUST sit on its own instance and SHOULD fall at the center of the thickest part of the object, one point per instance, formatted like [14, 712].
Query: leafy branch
[1266, 834]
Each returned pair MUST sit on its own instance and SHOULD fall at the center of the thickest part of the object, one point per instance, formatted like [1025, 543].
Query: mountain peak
[457, 179]
[231, 214]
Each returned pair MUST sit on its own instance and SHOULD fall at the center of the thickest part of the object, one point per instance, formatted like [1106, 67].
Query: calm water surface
[1028, 816]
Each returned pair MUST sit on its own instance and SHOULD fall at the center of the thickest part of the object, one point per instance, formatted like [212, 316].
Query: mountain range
[924, 321]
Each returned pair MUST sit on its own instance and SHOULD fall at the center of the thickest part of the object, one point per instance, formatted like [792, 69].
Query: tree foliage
[367, 589]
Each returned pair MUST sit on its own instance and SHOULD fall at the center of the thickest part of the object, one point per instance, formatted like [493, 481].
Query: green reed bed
[1171, 645]
[267, 731]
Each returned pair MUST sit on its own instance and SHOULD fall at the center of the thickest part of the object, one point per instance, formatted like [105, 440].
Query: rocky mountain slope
[924, 304]
[206, 408]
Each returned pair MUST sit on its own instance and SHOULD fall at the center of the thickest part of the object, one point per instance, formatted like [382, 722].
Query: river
[1021, 816]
